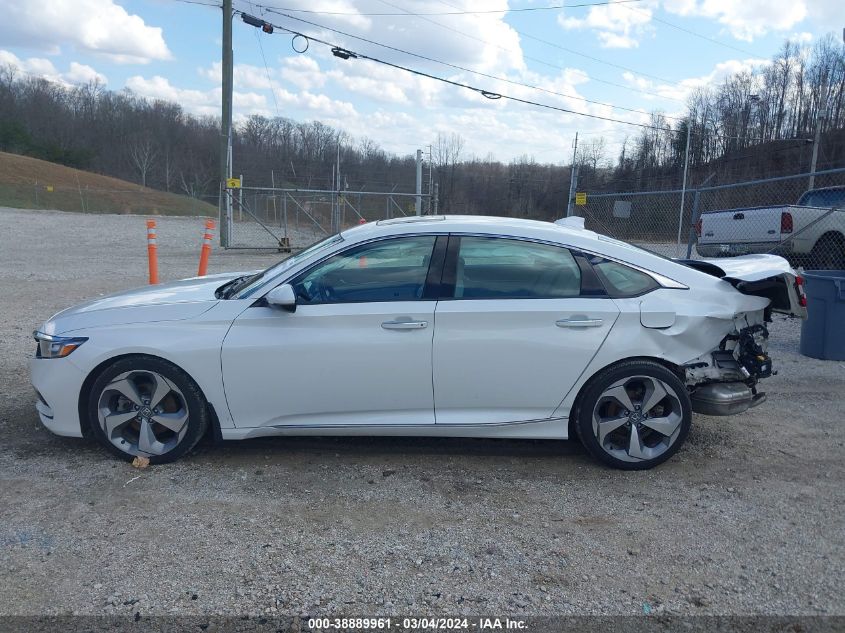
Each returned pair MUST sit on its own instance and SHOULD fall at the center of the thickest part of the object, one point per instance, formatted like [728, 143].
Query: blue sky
[171, 49]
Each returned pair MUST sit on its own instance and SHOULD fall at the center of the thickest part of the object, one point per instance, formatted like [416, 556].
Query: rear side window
[500, 268]
[823, 198]
[622, 281]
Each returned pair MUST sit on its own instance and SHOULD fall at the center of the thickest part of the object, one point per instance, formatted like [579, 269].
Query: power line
[693, 33]
[552, 44]
[510, 50]
[477, 12]
[399, 50]
[202, 4]
[267, 70]
[344, 53]
[482, 74]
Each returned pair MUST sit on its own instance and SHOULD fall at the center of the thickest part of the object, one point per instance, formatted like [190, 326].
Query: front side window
[387, 270]
[501, 268]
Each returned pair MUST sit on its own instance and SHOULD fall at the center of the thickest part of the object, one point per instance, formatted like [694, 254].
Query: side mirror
[283, 297]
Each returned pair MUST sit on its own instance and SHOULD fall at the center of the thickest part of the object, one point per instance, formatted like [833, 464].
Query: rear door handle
[404, 325]
[579, 323]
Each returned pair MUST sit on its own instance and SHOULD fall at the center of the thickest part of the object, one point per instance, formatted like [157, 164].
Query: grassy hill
[30, 183]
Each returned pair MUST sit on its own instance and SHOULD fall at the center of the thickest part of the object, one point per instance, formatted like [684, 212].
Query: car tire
[143, 406]
[828, 253]
[611, 412]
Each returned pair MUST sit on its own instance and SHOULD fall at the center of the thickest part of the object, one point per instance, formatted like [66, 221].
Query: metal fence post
[693, 219]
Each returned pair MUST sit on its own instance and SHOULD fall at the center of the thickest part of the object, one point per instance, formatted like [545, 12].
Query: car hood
[178, 300]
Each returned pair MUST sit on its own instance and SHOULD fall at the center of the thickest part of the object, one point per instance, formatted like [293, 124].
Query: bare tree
[142, 153]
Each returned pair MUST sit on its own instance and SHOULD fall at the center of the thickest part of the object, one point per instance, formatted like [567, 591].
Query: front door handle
[579, 323]
[404, 325]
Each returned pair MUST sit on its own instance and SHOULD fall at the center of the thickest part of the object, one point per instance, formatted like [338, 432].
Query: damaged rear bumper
[725, 398]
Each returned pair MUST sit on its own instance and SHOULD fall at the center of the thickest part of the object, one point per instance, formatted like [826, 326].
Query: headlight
[56, 346]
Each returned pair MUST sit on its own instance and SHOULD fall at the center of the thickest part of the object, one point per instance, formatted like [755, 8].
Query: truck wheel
[828, 253]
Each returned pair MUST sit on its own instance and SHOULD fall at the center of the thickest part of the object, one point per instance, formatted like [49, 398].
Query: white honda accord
[437, 326]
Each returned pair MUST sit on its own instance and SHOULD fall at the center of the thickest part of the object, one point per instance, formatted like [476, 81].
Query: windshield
[247, 286]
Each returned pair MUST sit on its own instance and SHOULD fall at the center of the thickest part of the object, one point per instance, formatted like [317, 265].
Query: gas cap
[656, 313]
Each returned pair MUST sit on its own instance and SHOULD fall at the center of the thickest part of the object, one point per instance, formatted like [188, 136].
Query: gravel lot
[746, 519]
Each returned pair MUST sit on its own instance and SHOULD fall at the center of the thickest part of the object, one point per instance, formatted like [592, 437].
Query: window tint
[622, 281]
[498, 268]
[387, 270]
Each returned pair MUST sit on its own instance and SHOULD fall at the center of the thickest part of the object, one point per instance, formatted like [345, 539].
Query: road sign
[233, 183]
[581, 198]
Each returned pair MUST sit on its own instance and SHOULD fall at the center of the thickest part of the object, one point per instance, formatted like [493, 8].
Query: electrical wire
[399, 50]
[345, 53]
[554, 7]
[693, 33]
[267, 70]
[202, 4]
[547, 43]
[489, 76]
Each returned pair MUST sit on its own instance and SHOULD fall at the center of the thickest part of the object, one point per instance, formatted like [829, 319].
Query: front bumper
[58, 382]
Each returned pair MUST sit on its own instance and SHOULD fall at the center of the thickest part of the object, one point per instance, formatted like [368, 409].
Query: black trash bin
[823, 333]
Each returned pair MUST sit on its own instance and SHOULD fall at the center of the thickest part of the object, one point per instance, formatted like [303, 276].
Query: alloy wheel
[143, 413]
[637, 418]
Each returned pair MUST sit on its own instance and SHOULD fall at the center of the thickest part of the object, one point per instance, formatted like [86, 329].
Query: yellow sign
[581, 198]
[233, 183]
[49, 187]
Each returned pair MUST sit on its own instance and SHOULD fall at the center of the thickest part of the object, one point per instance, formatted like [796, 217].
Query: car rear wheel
[634, 416]
[145, 406]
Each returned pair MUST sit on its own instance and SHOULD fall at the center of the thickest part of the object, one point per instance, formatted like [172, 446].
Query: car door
[523, 322]
[355, 351]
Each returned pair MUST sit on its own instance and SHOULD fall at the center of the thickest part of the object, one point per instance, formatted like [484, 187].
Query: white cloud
[98, 26]
[801, 38]
[83, 74]
[205, 102]
[480, 41]
[44, 68]
[748, 19]
[616, 25]
[682, 89]
[623, 25]
[302, 71]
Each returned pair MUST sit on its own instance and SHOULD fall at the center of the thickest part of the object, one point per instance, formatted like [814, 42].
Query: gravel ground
[746, 519]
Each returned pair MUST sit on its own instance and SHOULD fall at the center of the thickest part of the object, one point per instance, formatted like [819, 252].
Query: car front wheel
[634, 415]
[145, 406]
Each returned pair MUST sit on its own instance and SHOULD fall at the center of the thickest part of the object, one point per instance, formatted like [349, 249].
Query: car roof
[477, 224]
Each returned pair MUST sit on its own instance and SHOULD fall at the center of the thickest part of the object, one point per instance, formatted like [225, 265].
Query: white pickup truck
[810, 233]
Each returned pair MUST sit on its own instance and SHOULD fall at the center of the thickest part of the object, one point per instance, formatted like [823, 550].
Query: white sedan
[437, 326]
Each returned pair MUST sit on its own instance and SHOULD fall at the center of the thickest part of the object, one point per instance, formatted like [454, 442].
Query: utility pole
[429, 179]
[573, 177]
[820, 117]
[418, 199]
[338, 195]
[683, 189]
[226, 126]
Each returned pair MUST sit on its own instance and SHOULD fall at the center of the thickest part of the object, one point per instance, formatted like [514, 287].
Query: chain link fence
[85, 199]
[798, 217]
[290, 219]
